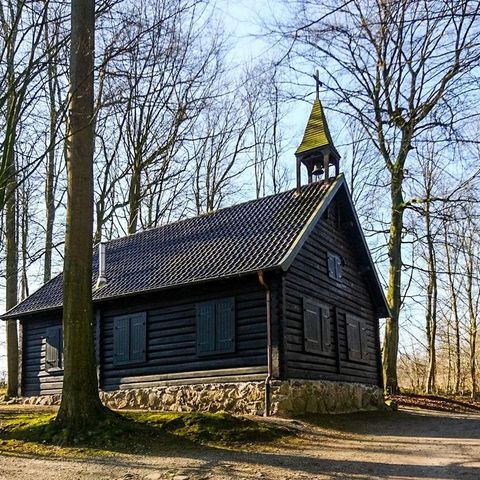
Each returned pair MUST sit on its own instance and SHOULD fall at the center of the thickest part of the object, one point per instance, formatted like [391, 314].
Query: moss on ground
[130, 432]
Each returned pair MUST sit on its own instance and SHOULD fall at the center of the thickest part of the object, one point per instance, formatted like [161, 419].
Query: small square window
[129, 339]
[54, 349]
[335, 266]
[216, 326]
[357, 339]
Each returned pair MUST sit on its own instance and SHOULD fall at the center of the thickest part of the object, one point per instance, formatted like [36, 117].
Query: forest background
[201, 105]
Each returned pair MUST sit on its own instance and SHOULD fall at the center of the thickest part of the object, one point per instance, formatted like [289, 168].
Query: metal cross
[318, 83]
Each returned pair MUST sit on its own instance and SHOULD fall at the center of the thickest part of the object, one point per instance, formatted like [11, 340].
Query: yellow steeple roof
[316, 134]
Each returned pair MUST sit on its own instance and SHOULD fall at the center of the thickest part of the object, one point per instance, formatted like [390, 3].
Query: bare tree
[21, 31]
[265, 102]
[400, 69]
[221, 155]
[13, 105]
[156, 84]
[53, 39]
[80, 407]
[452, 255]
[471, 255]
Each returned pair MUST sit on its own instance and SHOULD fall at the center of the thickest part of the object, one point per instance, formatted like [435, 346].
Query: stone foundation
[298, 397]
[246, 398]
[291, 397]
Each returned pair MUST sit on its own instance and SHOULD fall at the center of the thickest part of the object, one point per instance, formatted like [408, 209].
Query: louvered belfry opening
[316, 152]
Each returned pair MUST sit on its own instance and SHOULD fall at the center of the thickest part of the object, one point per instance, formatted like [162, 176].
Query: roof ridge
[206, 214]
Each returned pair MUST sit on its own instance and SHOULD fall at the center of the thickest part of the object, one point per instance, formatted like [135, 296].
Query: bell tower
[316, 152]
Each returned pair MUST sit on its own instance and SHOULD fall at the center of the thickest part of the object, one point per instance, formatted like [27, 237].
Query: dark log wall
[171, 338]
[35, 380]
[171, 354]
[308, 277]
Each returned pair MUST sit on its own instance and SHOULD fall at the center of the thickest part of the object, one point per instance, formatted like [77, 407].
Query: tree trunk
[24, 226]
[50, 212]
[11, 279]
[458, 360]
[431, 317]
[449, 350]
[81, 406]
[134, 196]
[454, 305]
[390, 346]
[50, 192]
[472, 313]
[11, 287]
[50, 170]
[473, 356]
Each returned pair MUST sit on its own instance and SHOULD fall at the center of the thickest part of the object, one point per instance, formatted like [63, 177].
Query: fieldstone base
[290, 397]
[245, 398]
[41, 400]
[314, 396]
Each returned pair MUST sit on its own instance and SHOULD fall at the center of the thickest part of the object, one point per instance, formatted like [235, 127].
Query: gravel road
[413, 445]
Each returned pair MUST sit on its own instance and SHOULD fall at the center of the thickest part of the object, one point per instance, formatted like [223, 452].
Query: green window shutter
[53, 348]
[335, 267]
[138, 337]
[331, 264]
[311, 325]
[353, 339]
[205, 328]
[338, 268]
[363, 341]
[225, 325]
[121, 340]
[326, 329]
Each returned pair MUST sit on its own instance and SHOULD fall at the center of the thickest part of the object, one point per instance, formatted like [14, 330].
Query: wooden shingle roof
[317, 134]
[231, 241]
[261, 234]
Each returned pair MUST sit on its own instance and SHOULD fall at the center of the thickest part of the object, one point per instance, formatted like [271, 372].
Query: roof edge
[312, 221]
[267, 268]
[7, 316]
[385, 309]
[382, 307]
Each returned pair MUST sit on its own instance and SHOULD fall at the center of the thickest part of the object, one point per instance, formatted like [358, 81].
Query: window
[335, 264]
[357, 339]
[317, 327]
[216, 326]
[333, 214]
[129, 339]
[54, 349]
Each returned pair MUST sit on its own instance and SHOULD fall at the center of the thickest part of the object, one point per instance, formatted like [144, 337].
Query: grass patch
[219, 428]
[133, 432]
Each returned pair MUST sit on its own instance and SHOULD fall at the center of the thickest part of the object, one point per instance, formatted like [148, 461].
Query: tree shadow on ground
[133, 432]
[314, 456]
[404, 423]
[233, 463]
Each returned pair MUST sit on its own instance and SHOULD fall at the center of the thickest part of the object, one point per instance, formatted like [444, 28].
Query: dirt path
[412, 444]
